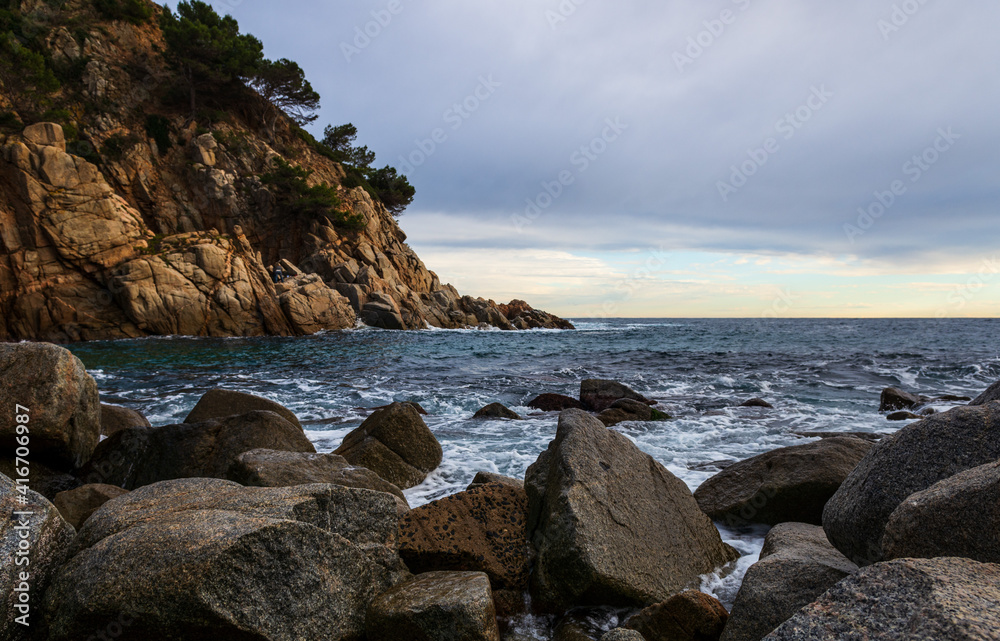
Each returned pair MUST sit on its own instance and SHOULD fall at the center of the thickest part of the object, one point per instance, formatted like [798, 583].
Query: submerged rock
[497, 410]
[894, 398]
[598, 395]
[611, 526]
[554, 403]
[625, 409]
[482, 478]
[757, 402]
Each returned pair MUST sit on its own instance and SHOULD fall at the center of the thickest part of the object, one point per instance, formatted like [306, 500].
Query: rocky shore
[231, 526]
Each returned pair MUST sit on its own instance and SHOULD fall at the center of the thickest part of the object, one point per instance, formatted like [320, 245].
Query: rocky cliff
[134, 218]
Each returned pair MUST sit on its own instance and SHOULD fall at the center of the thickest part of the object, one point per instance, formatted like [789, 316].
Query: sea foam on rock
[610, 525]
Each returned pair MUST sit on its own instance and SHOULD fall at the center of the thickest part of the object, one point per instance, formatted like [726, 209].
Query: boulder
[44, 480]
[894, 398]
[46, 134]
[688, 616]
[77, 505]
[598, 395]
[415, 405]
[46, 546]
[220, 403]
[796, 566]
[312, 306]
[787, 484]
[959, 516]
[991, 394]
[498, 410]
[396, 444]
[436, 606]
[625, 409]
[115, 418]
[481, 530]
[914, 458]
[279, 468]
[60, 399]
[903, 416]
[904, 600]
[554, 403]
[757, 402]
[610, 525]
[482, 478]
[136, 457]
[622, 634]
[210, 559]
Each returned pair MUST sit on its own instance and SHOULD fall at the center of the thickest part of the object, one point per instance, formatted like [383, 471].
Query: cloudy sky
[677, 158]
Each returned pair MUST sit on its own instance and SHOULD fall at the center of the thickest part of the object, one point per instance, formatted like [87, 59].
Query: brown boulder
[482, 478]
[598, 395]
[220, 403]
[991, 394]
[625, 409]
[77, 505]
[497, 410]
[688, 616]
[554, 403]
[115, 418]
[894, 398]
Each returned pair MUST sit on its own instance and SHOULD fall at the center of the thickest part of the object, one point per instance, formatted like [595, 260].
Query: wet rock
[916, 457]
[622, 634]
[417, 406]
[136, 457]
[868, 436]
[396, 444]
[498, 410]
[482, 530]
[278, 468]
[959, 516]
[205, 558]
[903, 600]
[59, 400]
[44, 480]
[796, 566]
[991, 394]
[46, 546]
[787, 484]
[219, 403]
[625, 409]
[903, 416]
[757, 402]
[894, 398]
[610, 525]
[115, 418]
[436, 606]
[554, 403]
[522, 316]
[78, 504]
[688, 616]
[598, 395]
[483, 478]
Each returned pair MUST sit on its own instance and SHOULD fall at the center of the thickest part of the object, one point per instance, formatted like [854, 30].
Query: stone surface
[688, 616]
[78, 504]
[44, 480]
[396, 444]
[610, 525]
[279, 468]
[115, 418]
[210, 559]
[787, 484]
[136, 457]
[914, 458]
[436, 606]
[622, 634]
[497, 410]
[796, 566]
[48, 540]
[597, 395]
[482, 530]
[908, 599]
[757, 402]
[894, 398]
[554, 403]
[625, 409]
[959, 516]
[63, 411]
[903, 416]
[482, 478]
[219, 403]
[991, 394]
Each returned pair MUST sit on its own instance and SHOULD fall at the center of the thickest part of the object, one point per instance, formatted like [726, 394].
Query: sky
[718, 158]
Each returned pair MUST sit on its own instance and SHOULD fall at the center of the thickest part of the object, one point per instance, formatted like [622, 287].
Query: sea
[820, 375]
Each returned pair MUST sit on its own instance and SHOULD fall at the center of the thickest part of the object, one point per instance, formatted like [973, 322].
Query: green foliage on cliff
[393, 189]
[386, 184]
[293, 194]
[27, 78]
[158, 128]
[134, 11]
[282, 87]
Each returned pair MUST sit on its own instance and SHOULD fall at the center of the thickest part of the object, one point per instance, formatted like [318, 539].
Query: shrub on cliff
[293, 194]
[386, 184]
[134, 11]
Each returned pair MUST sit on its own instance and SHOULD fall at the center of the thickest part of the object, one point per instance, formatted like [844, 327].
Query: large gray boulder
[991, 394]
[959, 516]
[787, 484]
[914, 458]
[597, 395]
[219, 403]
[61, 401]
[136, 457]
[279, 468]
[115, 418]
[35, 531]
[396, 444]
[435, 606]
[610, 525]
[948, 599]
[796, 566]
[210, 559]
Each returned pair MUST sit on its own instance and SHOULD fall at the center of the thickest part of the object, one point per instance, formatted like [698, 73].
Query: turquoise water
[821, 375]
